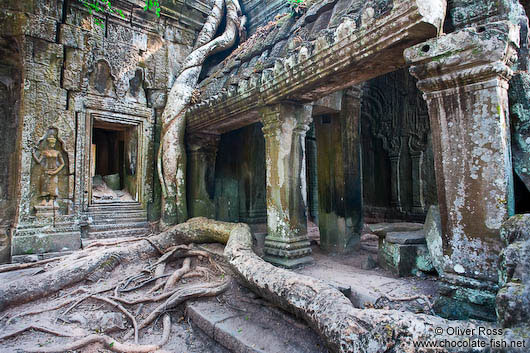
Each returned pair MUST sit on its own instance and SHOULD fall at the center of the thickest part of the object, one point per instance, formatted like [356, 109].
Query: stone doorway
[114, 160]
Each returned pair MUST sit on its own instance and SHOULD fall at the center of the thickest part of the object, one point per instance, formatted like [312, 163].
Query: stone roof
[308, 57]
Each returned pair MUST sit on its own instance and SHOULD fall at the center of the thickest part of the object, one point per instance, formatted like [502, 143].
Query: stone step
[381, 229]
[118, 233]
[114, 206]
[106, 217]
[115, 210]
[50, 227]
[121, 225]
[124, 219]
[46, 230]
[38, 257]
[254, 328]
[39, 243]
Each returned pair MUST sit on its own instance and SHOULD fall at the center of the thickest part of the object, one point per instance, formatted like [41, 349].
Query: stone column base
[37, 239]
[289, 253]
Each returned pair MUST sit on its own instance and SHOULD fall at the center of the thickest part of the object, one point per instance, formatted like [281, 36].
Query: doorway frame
[108, 109]
[126, 121]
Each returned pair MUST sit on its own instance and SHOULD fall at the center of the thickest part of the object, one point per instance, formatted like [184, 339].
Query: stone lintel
[330, 104]
[284, 129]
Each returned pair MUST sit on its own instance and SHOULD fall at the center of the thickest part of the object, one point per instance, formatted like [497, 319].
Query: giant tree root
[111, 344]
[180, 296]
[36, 328]
[16, 267]
[343, 327]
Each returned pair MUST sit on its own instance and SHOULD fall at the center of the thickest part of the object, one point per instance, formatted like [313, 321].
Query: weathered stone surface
[406, 238]
[306, 70]
[433, 236]
[468, 108]
[340, 213]
[397, 146]
[513, 299]
[284, 128]
[253, 328]
[74, 73]
[5, 244]
[404, 260]
[381, 229]
[202, 150]
[46, 242]
[520, 114]
[464, 13]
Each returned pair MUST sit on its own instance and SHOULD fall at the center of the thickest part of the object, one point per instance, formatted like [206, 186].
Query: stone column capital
[280, 116]
[353, 92]
[471, 55]
[202, 142]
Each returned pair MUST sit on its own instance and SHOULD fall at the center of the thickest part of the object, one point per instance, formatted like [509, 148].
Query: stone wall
[10, 100]
[76, 72]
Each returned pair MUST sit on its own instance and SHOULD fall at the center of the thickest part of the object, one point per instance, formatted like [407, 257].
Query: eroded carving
[49, 155]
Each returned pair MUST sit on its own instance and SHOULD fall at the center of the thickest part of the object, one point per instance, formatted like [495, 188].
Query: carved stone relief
[101, 80]
[396, 129]
[50, 182]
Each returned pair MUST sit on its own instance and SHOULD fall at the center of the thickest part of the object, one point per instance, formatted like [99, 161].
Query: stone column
[418, 203]
[395, 185]
[417, 146]
[312, 175]
[464, 77]
[339, 176]
[202, 151]
[284, 128]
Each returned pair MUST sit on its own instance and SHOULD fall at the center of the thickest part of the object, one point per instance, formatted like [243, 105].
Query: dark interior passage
[114, 161]
[240, 191]
[109, 152]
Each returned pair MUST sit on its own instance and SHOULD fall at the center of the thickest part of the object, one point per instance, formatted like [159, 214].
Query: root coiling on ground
[111, 343]
[344, 328]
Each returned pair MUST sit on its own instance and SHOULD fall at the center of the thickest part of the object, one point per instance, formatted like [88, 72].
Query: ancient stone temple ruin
[343, 114]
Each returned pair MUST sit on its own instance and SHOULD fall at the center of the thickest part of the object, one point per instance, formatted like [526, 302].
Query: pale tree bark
[172, 152]
[344, 328]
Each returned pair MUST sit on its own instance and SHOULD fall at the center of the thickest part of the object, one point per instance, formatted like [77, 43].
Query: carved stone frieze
[396, 115]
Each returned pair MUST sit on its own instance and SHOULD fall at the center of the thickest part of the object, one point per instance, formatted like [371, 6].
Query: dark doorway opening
[114, 160]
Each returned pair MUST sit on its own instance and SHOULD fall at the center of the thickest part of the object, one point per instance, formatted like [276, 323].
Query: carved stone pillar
[339, 176]
[417, 146]
[395, 185]
[418, 203]
[202, 151]
[284, 128]
[312, 175]
[464, 77]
